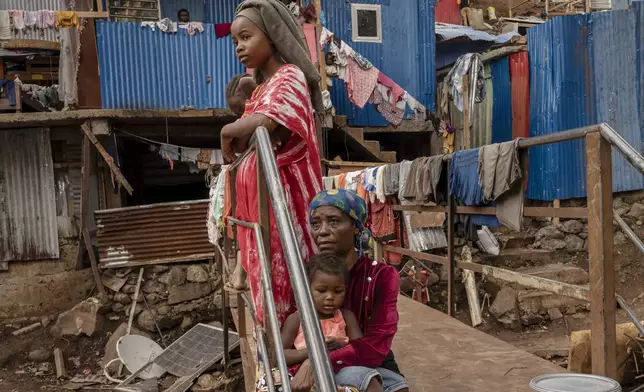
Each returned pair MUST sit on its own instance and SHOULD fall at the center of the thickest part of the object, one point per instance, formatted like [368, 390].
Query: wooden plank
[535, 282]
[93, 14]
[32, 76]
[108, 158]
[59, 360]
[241, 319]
[87, 241]
[318, 32]
[433, 258]
[30, 44]
[451, 263]
[542, 212]
[265, 225]
[18, 92]
[420, 208]
[600, 255]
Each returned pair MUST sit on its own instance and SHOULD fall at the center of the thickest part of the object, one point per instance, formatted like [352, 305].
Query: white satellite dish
[136, 351]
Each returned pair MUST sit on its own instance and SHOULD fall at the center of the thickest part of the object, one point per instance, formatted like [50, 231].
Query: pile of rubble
[170, 296]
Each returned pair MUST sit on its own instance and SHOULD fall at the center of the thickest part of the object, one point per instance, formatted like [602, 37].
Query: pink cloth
[396, 90]
[390, 112]
[335, 327]
[360, 82]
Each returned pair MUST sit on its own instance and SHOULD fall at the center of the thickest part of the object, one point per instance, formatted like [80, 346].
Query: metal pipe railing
[631, 154]
[628, 231]
[324, 378]
[269, 300]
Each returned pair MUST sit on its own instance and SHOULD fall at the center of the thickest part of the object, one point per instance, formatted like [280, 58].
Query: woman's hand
[333, 343]
[227, 144]
[303, 380]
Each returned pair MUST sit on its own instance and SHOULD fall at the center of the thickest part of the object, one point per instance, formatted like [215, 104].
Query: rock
[535, 301]
[187, 322]
[163, 310]
[572, 227]
[129, 288]
[152, 286]
[118, 308]
[579, 316]
[206, 381]
[555, 314]
[110, 346]
[565, 273]
[504, 307]
[46, 321]
[636, 211]
[553, 244]
[122, 298]
[157, 269]
[583, 235]
[39, 355]
[188, 292]
[146, 320]
[43, 369]
[619, 239]
[574, 243]
[620, 206]
[549, 232]
[570, 310]
[82, 318]
[197, 273]
[176, 277]
[639, 223]
[153, 298]
[532, 319]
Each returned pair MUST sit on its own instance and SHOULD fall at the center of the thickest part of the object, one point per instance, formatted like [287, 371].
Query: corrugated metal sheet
[520, 81]
[582, 70]
[34, 5]
[502, 104]
[28, 227]
[406, 53]
[163, 71]
[220, 11]
[447, 53]
[638, 9]
[154, 233]
[481, 128]
[448, 11]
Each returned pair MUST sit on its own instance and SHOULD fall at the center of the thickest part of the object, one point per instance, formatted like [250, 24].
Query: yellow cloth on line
[66, 19]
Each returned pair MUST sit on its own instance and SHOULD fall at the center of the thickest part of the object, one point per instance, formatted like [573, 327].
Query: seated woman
[337, 220]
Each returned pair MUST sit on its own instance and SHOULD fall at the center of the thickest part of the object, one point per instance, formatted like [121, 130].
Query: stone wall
[170, 296]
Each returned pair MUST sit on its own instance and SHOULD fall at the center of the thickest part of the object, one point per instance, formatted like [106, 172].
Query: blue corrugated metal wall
[406, 53]
[145, 69]
[582, 71]
[502, 101]
[170, 8]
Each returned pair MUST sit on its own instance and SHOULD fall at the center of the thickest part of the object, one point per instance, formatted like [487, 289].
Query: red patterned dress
[285, 99]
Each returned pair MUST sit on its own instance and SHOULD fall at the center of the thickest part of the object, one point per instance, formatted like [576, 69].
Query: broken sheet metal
[154, 233]
[28, 225]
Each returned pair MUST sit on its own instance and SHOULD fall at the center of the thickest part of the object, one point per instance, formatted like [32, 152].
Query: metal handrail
[322, 370]
[631, 154]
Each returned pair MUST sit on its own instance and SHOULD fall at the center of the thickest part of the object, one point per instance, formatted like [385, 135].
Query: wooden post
[600, 255]
[99, 5]
[18, 93]
[510, 8]
[451, 208]
[248, 365]
[265, 225]
[318, 33]
[59, 361]
[85, 214]
[466, 112]
[556, 204]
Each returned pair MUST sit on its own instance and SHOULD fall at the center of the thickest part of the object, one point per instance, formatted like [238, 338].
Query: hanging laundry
[31, 19]
[369, 179]
[341, 181]
[464, 184]
[47, 19]
[500, 172]
[396, 90]
[391, 113]
[66, 19]
[329, 182]
[189, 154]
[362, 61]
[418, 239]
[17, 19]
[192, 27]
[203, 159]
[222, 29]
[325, 37]
[216, 206]
[360, 83]
[169, 153]
[382, 221]
[9, 90]
[391, 179]
[468, 64]
[5, 25]
[426, 181]
[380, 183]
[216, 157]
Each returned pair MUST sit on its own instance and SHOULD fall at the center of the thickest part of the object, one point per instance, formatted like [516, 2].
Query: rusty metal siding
[154, 233]
[520, 81]
[28, 226]
[447, 11]
[34, 5]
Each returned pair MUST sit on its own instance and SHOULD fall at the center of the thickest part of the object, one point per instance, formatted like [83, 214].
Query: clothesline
[42, 20]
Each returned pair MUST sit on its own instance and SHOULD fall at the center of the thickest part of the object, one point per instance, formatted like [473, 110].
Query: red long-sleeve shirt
[372, 296]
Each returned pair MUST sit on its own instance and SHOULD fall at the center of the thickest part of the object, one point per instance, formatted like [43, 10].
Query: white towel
[5, 25]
